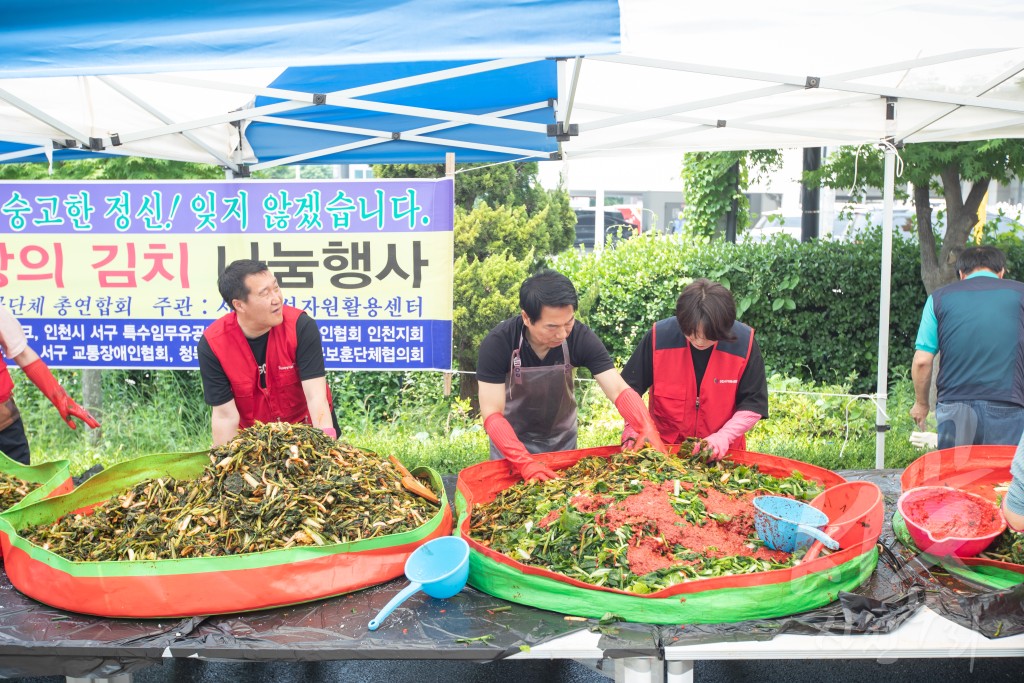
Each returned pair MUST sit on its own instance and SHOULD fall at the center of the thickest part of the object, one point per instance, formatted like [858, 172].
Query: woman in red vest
[13, 441]
[704, 371]
[263, 360]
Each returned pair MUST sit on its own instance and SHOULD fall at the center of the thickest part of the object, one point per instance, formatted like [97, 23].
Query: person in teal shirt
[977, 324]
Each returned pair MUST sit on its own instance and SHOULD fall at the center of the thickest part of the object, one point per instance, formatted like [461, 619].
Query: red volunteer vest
[282, 400]
[6, 383]
[681, 410]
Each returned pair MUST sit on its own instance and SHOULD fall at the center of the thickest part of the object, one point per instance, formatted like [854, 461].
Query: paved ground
[988, 670]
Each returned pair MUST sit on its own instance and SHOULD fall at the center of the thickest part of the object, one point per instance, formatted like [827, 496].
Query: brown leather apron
[8, 413]
[540, 404]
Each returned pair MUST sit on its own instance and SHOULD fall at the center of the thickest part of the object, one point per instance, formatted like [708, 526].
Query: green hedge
[814, 305]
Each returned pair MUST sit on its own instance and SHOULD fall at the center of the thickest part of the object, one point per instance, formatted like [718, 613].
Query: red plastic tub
[978, 469]
[947, 521]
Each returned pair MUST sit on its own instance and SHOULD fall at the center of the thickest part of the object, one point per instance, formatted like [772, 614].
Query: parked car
[852, 219]
[620, 222]
[998, 220]
[772, 223]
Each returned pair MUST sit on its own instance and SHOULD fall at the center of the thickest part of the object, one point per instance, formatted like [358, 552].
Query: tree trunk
[930, 273]
[958, 224]
[939, 268]
[468, 385]
[92, 399]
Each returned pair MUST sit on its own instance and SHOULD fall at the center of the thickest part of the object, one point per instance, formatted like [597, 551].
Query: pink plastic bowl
[947, 521]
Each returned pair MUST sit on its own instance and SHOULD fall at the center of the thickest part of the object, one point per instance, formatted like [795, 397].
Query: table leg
[679, 671]
[638, 670]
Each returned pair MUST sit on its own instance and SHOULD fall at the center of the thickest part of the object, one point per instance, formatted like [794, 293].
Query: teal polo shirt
[928, 331]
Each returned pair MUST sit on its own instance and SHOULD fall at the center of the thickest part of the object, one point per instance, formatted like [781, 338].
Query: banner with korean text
[123, 274]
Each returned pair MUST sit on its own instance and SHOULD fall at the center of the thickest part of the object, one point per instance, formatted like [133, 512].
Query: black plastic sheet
[471, 625]
[39, 640]
[993, 614]
[880, 605]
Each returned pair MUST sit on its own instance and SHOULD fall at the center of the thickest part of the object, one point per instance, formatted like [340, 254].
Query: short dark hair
[708, 306]
[546, 288]
[974, 258]
[231, 283]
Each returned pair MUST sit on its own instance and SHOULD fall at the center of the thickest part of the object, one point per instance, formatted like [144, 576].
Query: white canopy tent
[748, 75]
[715, 76]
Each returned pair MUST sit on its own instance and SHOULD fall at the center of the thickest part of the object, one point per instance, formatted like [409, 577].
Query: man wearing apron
[525, 372]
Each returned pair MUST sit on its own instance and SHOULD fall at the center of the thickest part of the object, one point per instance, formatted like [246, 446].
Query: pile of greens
[537, 524]
[1009, 547]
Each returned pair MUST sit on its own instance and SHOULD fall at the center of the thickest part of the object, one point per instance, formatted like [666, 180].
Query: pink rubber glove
[738, 425]
[330, 431]
[509, 445]
[65, 405]
[638, 420]
[629, 436]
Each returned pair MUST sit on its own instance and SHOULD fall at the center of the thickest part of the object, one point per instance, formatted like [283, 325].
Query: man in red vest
[704, 370]
[263, 360]
[13, 441]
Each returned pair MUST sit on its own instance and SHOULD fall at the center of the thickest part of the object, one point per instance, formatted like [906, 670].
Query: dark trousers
[14, 443]
[967, 423]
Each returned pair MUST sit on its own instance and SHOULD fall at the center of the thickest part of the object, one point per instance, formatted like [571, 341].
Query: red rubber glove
[638, 419]
[509, 445]
[536, 470]
[65, 405]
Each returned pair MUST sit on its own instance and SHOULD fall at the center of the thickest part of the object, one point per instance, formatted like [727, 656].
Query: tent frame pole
[888, 191]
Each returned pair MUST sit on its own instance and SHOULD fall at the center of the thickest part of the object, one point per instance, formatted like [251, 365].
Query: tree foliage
[509, 184]
[486, 292]
[111, 168]
[942, 169]
[814, 305]
[506, 225]
[303, 172]
[712, 181]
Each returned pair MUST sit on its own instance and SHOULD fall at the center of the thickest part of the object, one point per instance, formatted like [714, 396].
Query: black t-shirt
[751, 393]
[309, 357]
[495, 357]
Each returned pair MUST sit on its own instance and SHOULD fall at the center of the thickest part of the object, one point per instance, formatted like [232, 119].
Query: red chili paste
[651, 509]
[948, 514]
[549, 518]
[585, 503]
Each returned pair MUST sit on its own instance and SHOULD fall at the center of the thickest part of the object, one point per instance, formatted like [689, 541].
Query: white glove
[924, 439]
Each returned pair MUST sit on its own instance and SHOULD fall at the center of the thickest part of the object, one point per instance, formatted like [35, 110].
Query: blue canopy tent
[381, 80]
[495, 111]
